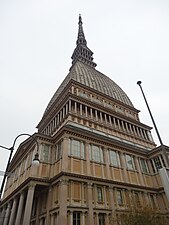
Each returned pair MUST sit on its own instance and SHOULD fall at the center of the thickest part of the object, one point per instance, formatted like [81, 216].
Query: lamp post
[11, 149]
[157, 132]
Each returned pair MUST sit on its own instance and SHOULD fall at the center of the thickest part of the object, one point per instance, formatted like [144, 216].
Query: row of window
[96, 153]
[77, 218]
[77, 149]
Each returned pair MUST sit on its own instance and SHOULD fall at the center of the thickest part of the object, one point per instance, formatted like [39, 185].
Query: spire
[81, 37]
[82, 52]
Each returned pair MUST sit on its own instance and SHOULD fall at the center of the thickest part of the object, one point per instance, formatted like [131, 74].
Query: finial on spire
[82, 52]
[81, 37]
[80, 18]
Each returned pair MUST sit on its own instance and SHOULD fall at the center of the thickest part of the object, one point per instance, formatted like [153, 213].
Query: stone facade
[96, 157]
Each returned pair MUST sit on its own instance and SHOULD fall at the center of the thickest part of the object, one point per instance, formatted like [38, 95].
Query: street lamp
[11, 149]
[157, 132]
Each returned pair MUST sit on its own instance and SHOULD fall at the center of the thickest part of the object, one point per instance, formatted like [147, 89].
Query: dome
[83, 71]
[90, 77]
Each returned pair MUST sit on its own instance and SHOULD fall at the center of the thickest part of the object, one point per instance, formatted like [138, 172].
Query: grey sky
[129, 38]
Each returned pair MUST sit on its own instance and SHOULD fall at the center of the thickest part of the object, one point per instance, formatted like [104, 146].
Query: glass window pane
[114, 158]
[130, 162]
[144, 167]
[46, 152]
[99, 194]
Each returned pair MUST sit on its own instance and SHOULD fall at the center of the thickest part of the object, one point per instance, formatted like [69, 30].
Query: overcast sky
[130, 41]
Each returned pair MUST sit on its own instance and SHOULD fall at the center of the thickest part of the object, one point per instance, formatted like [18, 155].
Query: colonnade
[98, 116]
[17, 210]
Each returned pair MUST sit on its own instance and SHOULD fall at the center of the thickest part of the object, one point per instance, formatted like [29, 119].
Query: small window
[144, 166]
[119, 197]
[157, 162]
[76, 218]
[45, 153]
[58, 150]
[114, 158]
[99, 194]
[101, 219]
[96, 153]
[76, 148]
[130, 162]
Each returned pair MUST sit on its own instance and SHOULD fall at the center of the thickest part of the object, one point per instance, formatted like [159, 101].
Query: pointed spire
[81, 37]
[82, 52]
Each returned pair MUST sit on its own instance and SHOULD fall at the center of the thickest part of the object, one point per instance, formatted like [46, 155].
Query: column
[107, 219]
[71, 218]
[75, 109]
[69, 107]
[122, 159]
[52, 219]
[105, 117]
[96, 115]
[65, 155]
[91, 114]
[63, 201]
[112, 207]
[105, 196]
[82, 202]
[87, 159]
[20, 209]
[49, 199]
[86, 111]
[139, 170]
[110, 121]
[114, 122]
[90, 204]
[101, 118]
[97, 218]
[66, 108]
[83, 218]
[2, 215]
[81, 110]
[29, 203]
[6, 215]
[106, 155]
[13, 212]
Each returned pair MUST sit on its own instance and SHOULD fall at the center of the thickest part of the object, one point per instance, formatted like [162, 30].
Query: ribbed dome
[83, 71]
[90, 77]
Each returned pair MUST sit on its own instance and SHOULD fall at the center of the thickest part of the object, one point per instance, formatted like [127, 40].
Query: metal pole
[10, 157]
[158, 134]
[5, 175]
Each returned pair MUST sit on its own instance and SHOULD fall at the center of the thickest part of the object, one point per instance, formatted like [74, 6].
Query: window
[58, 150]
[114, 158]
[130, 162]
[157, 162]
[76, 148]
[119, 197]
[144, 166]
[96, 153]
[45, 153]
[137, 199]
[101, 219]
[99, 194]
[76, 218]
